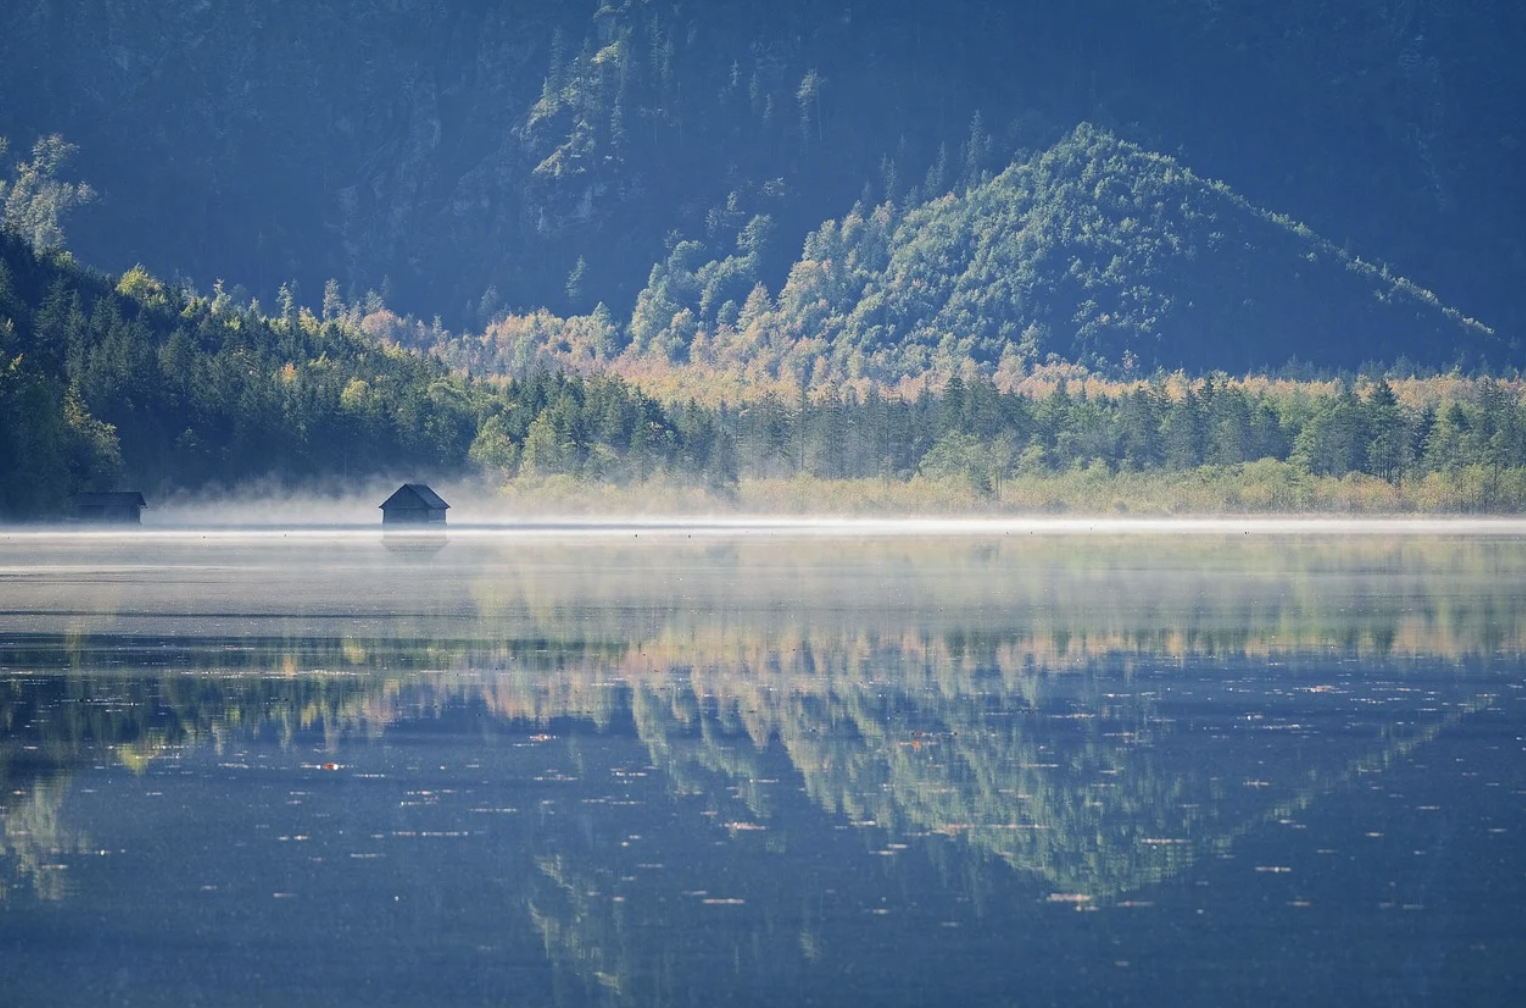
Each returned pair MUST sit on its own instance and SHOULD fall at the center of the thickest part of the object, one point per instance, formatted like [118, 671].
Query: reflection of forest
[1004, 604]
[1086, 781]
[1086, 790]
[1086, 786]
[996, 706]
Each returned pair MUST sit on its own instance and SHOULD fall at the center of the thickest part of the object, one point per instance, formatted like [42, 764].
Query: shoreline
[788, 526]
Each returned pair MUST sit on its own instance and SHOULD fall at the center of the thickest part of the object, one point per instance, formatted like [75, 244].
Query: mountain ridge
[464, 158]
[1094, 251]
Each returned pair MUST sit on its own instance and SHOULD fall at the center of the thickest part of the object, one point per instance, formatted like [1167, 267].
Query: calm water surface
[650, 767]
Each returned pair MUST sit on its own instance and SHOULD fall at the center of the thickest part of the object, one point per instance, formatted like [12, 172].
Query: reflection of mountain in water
[1075, 720]
[1097, 784]
[1092, 795]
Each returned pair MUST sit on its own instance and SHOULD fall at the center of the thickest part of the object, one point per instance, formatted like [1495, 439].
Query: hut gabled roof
[415, 495]
[116, 498]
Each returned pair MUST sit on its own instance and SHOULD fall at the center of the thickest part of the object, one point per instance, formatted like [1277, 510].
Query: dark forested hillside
[467, 157]
[1094, 251]
[103, 377]
[108, 380]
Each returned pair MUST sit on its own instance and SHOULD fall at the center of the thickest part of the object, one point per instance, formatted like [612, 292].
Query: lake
[1043, 764]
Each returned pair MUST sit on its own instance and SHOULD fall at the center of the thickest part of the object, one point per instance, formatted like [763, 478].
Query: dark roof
[415, 495]
[125, 498]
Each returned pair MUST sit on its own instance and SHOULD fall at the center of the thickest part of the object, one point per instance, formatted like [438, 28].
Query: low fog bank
[486, 518]
[354, 504]
[479, 510]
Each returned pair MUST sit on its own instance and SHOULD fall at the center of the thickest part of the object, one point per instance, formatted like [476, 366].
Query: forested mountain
[585, 243]
[1093, 251]
[106, 380]
[468, 157]
[129, 379]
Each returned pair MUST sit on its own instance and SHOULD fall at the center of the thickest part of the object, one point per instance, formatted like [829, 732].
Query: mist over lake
[747, 764]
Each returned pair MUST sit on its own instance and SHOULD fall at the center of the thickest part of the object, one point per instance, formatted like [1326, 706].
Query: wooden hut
[414, 504]
[121, 507]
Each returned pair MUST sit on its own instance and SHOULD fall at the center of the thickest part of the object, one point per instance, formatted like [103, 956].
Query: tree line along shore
[112, 380]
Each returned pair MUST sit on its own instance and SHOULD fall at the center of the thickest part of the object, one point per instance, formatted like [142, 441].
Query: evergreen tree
[1388, 451]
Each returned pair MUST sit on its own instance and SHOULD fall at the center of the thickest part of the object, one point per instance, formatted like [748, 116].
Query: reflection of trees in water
[880, 667]
[1162, 596]
[728, 905]
[1074, 777]
[988, 705]
[1075, 781]
[64, 717]
[1083, 784]
[1054, 600]
[36, 838]
[1109, 812]
[581, 929]
[1089, 799]
[55, 725]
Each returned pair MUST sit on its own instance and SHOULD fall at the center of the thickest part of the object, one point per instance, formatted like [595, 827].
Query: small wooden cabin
[122, 506]
[414, 504]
